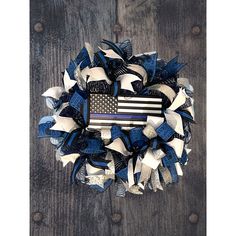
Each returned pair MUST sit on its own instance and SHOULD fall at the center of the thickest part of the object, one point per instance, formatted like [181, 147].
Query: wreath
[121, 118]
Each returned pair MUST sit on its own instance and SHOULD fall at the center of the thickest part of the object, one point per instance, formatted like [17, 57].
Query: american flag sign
[127, 112]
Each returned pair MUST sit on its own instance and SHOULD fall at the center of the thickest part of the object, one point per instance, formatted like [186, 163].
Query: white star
[155, 180]
[152, 160]
[145, 173]
[174, 120]
[178, 169]
[95, 74]
[155, 121]
[191, 109]
[69, 158]
[119, 146]
[130, 173]
[140, 70]
[90, 51]
[66, 124]
[135, 189]
[179, 100]
[167, 90]
[93, 170]
[126, 80]
[68, 83]
[111, 54]
[53, 92]
[178, 146]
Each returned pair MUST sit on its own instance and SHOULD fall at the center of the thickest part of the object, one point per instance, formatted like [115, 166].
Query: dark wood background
[58, 30]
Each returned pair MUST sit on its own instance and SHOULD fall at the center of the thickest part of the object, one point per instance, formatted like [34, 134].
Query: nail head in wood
[196, 30]
[117, 28]
[37, 217]
[116, 217]
[193, 218]
[38, 27]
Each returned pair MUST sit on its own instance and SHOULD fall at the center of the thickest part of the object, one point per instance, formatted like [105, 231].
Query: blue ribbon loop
[171, 68]
[76, 101]
[170, 157]
[165, 131]
[173, 173]
[185, 115]
[44, 128]
[184, 158]
[99, 188]
[78, 164]
[138, 140]
[98, 162]
[123, 174]
[113, 46]
[93, 146]
[116, 132]
[155, 144]
[83, 57]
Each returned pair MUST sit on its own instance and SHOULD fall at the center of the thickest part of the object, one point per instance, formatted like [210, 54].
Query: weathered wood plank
[170, 27]
[66, 25]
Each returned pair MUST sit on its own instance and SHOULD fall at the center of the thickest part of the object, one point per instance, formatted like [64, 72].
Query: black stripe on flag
[128, 112]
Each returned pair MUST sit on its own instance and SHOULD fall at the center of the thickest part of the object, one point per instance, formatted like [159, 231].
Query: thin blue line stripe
[96, 115]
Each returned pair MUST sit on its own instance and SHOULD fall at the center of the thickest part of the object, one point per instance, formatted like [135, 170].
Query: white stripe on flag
[124, 104]
[145, 99]
[139, 111]
[128, 122]
[106, 127]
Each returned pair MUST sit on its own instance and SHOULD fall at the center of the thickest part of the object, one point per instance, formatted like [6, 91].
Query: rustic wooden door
[58, 30]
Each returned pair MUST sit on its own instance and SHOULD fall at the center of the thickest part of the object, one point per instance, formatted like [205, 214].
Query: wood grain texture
[66, 210]
[170, 28]
[163, 25]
